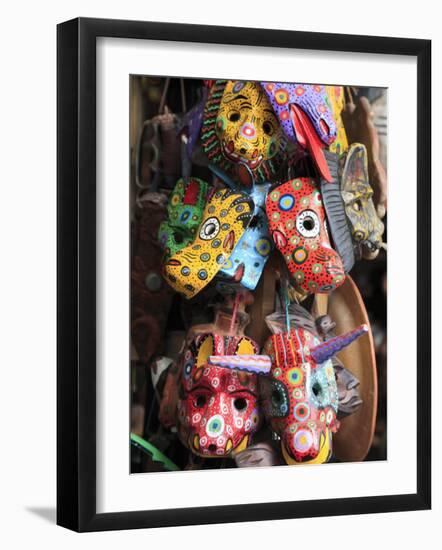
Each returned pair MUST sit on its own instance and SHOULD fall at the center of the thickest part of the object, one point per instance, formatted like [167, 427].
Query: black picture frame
[76, 273]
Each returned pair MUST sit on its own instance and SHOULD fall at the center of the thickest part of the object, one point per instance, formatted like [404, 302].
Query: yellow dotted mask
[246, 125]
[225, 219]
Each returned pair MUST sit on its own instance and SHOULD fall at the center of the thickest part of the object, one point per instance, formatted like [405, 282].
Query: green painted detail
[155, 454]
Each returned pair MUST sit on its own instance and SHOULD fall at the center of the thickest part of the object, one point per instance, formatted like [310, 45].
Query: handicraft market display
[254, 205]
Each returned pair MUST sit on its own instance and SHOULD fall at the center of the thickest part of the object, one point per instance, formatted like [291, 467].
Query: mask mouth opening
[291, 460]
[324, 127]
[229, 152]
[312, 456]
[308, 139]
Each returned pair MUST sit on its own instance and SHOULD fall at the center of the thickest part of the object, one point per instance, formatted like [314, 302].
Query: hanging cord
[285, 300]
[163, 96]
[234, 313]
[183, 96]
[287, 305]
[186, 163]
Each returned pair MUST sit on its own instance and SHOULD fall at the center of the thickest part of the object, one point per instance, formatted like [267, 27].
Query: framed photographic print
[243, 274]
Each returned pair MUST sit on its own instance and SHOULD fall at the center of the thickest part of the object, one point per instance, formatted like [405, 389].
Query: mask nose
[248, 131]
[216, 404]
[332, 273]
[303, 443]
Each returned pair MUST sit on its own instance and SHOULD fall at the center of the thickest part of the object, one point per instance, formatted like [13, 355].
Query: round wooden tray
[354, 438]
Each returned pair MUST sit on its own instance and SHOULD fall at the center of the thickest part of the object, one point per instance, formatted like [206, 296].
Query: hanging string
[287, 317]
[234, 313]
[183, 96]
[163, 96]
[285, 301]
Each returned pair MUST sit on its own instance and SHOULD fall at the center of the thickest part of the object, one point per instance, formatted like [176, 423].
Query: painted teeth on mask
[252, 163]
[173, 262]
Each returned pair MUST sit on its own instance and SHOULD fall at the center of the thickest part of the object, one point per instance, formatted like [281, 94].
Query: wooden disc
[354, 438]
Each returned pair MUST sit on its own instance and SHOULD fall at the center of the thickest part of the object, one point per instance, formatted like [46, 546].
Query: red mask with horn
[301, 396]
[218, 408]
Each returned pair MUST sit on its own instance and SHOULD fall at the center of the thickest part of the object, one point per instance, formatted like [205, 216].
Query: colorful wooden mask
[305, 115]
[185, 211]
[246, 124]
[301, 396]
[366, 227]
[297, 224]
[225, 219]
[241, 133]
[247, 262]
[218, 408]
[337, 224]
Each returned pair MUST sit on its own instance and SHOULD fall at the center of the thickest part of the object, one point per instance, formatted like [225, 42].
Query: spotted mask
[366, 227]
[246, 264]
[184, 211]
[301, 395]
[297, 223]
[218, 409]
[241, 133]
[225, 218]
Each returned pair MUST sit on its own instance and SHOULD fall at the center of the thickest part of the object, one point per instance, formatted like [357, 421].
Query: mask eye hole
[240, 404]
[357, 205]
[359, 236]
[324, 127]
[178, 237]
[210, 229]
[320, 391]
[276, 398]
[307, 223]
[234, 116]
[279, 400]
[267, 128]
[316, 389]
[200, 401]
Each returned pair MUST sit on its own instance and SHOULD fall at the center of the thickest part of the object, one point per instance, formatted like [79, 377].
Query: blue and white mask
[247, 261]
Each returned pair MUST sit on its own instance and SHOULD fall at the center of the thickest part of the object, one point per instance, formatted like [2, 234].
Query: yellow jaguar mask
[226, 216]
[246, 125]
[234, 149]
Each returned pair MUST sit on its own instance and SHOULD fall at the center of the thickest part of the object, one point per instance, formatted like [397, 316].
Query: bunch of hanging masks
[228, 390]
[225, 233]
